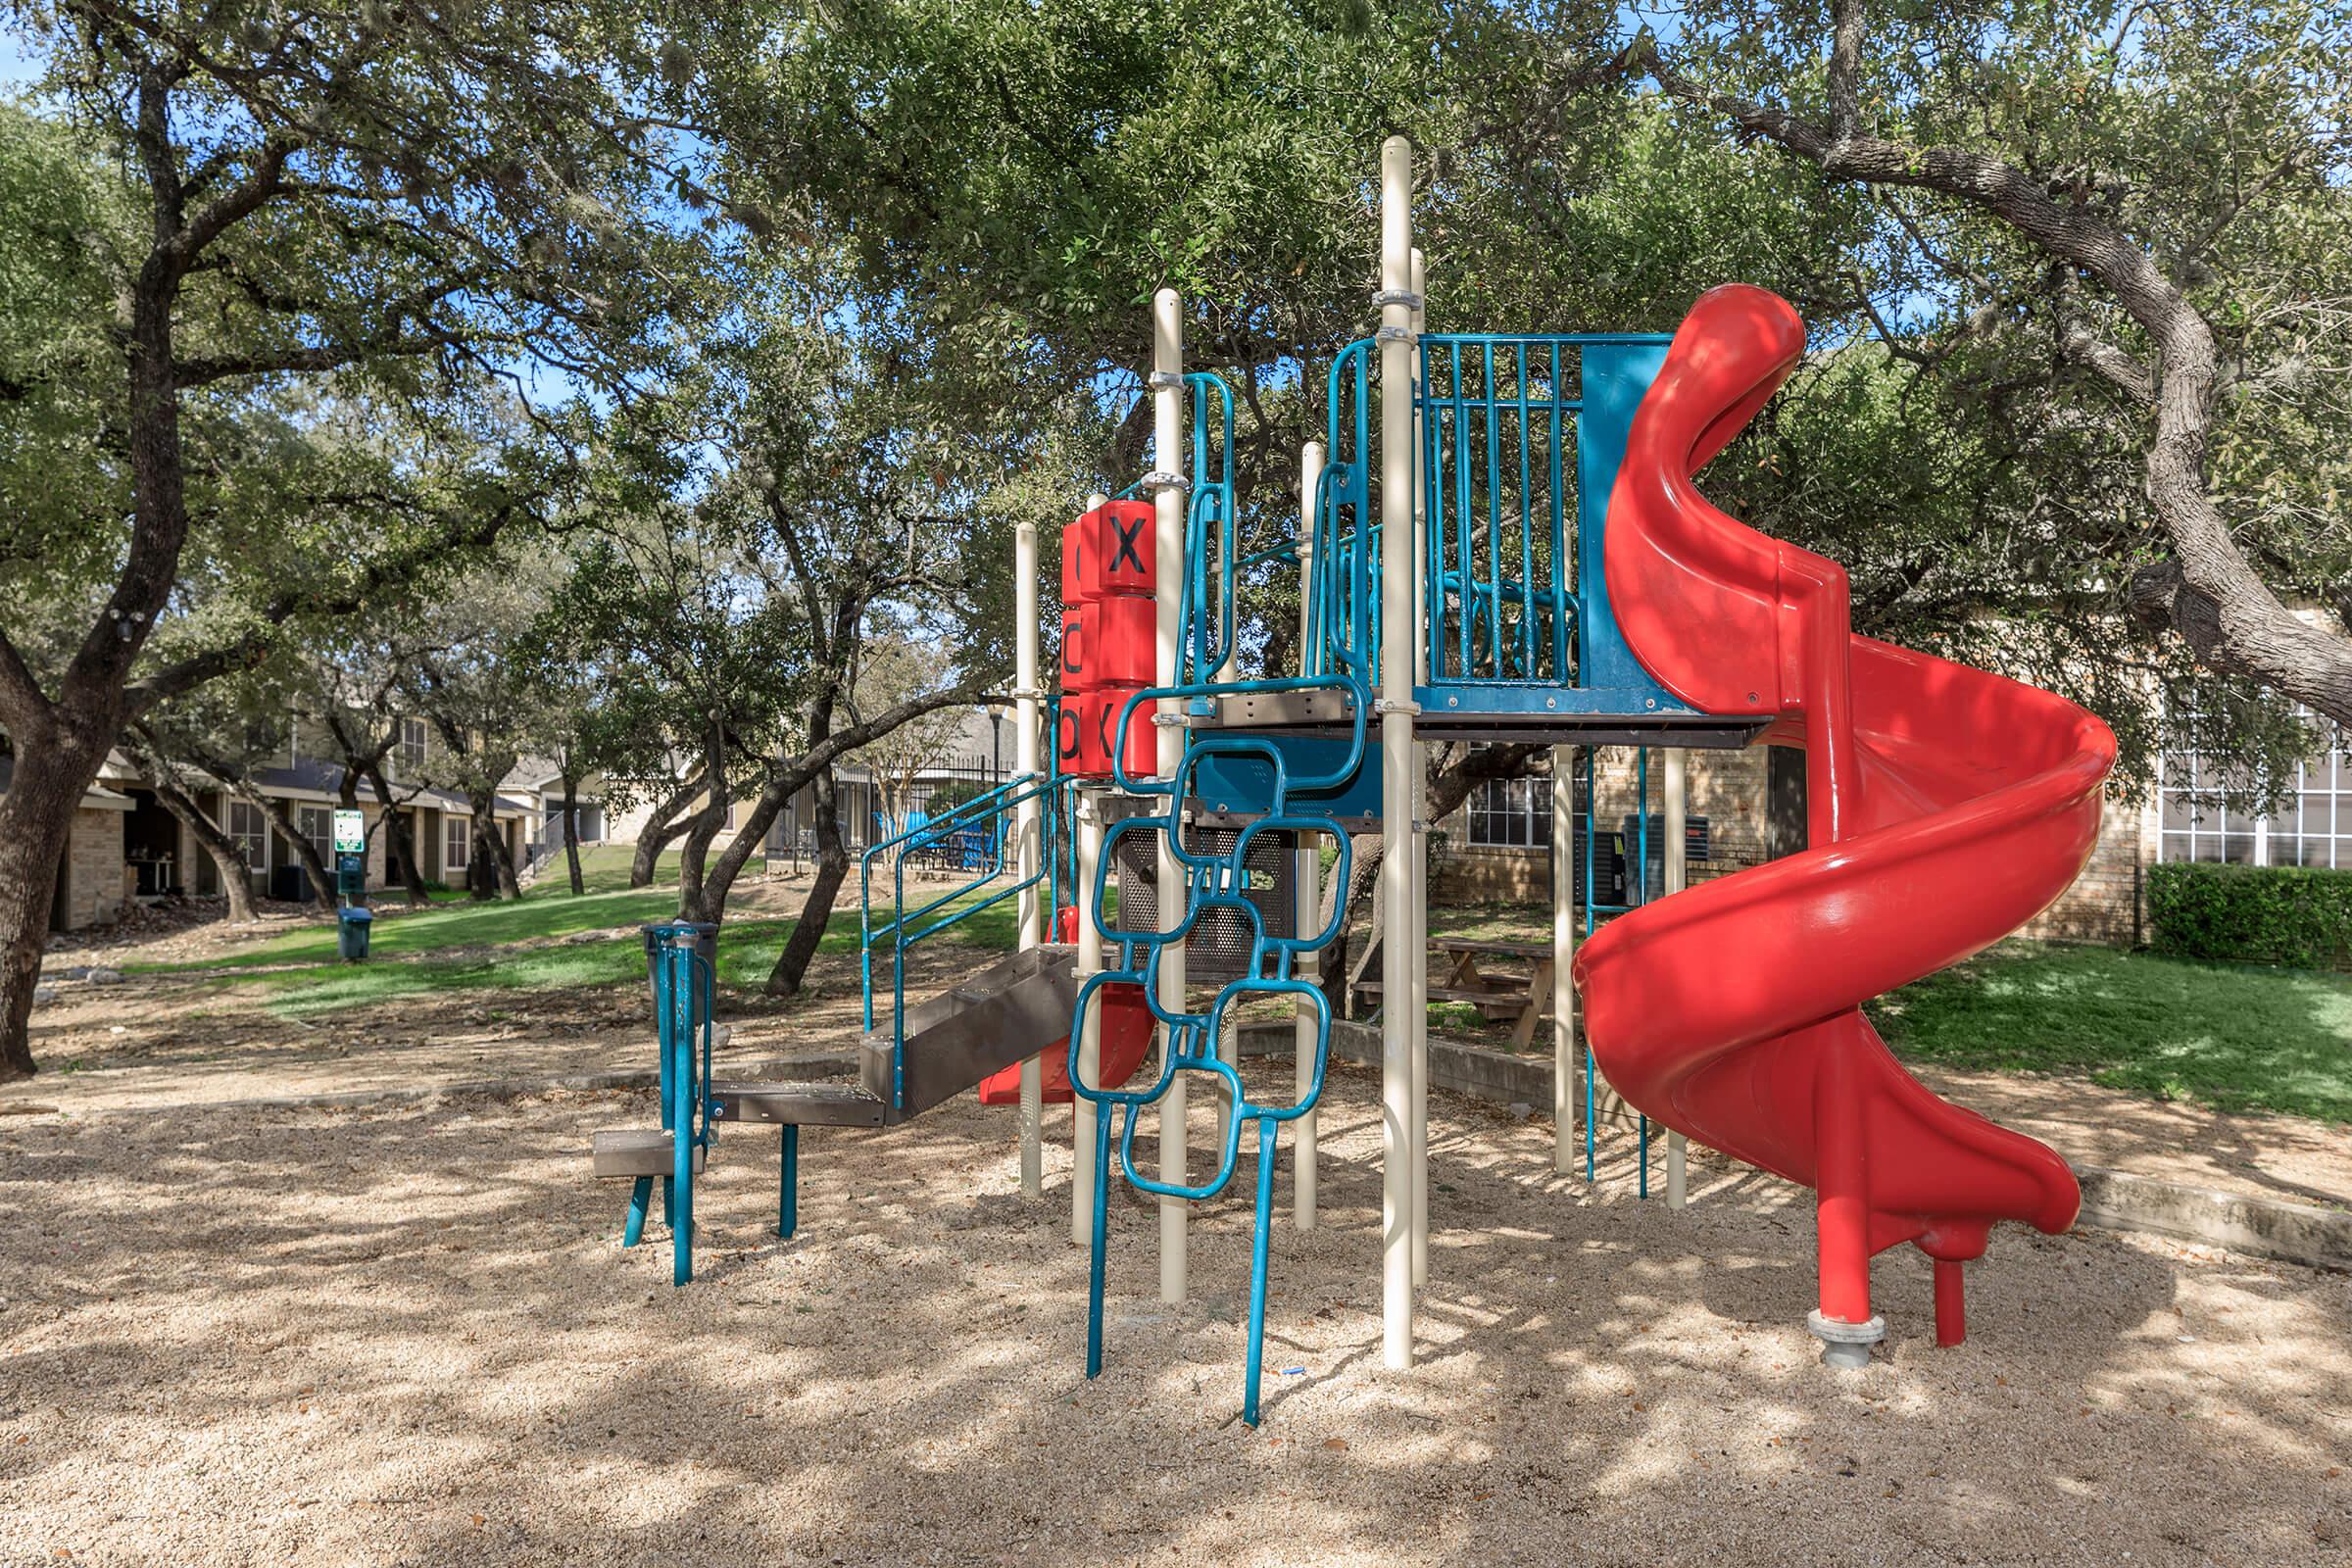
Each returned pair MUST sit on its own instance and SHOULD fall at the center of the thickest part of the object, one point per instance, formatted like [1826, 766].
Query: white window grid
[1512, 814]
[2312, 826]
[316, 823]
[250, 831]
[411, 746]
[457, 842]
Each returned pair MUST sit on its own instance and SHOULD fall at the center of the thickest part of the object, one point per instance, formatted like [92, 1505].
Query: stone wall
[1728, 789]
[94, 870]
[2104, 903]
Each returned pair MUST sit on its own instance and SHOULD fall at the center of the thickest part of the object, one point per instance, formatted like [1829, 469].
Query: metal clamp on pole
[1393, 334]
[1168, 378]
[1162, 479]
[1410, 299]
[1408, 708]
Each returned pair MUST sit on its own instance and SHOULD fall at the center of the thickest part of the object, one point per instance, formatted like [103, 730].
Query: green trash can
[352, 926]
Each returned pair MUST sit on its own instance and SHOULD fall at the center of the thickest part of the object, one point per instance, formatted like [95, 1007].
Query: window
[316, 824]
[2312, 825]
[250, 831]
[457, 842]
[411, 746]
[1512, 813]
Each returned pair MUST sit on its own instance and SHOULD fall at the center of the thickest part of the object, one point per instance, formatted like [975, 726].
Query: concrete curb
[2262, 1226]
[2112, 1199]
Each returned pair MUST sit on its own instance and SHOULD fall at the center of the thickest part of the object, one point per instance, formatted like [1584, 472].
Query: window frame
[457, 843]
[1510, 813]
[2323, 780]
[412, 752]
[250, 828]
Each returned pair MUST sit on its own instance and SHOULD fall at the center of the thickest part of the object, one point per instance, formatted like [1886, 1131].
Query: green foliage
[335, 245]
[2220, 1035]
[1989, 491]
[2252, 914]
[531, 944]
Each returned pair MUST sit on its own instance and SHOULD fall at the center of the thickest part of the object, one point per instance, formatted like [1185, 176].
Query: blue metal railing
[1521, 435]
[992, 813]
[1497, 433]
[1343, 635]
[1213, 883]
[1208, 554]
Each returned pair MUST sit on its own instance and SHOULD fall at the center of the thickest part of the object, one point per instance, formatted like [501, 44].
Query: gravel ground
[409, 1337]
[166, 1041]
[2291, 1158]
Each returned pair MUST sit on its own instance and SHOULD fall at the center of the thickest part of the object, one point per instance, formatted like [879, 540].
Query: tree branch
[2208, 594]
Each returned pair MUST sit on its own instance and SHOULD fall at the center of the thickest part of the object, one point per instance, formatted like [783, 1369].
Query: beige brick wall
[94, 870]
[1728, 789]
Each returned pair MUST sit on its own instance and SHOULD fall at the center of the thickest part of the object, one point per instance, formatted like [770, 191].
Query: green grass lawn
[465, 946]
[2235, 1037]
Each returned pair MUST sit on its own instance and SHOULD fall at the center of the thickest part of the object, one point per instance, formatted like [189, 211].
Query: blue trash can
[352, 926]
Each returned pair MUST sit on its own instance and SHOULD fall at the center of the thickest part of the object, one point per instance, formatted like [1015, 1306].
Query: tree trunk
[481, 872]
[695, 853]
[501, 860]
[787, 779]
[571, 832]
[37, 823]
[660, 829]
[227, 854]
[322, 881]
[400, 848]
[832, 866]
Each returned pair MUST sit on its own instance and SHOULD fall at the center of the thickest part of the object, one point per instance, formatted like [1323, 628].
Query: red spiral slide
[1946, 807]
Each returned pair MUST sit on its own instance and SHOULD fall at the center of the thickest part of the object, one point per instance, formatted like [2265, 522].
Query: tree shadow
[411, 1337]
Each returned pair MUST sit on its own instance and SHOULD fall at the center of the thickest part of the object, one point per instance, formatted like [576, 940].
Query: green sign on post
[350, 833]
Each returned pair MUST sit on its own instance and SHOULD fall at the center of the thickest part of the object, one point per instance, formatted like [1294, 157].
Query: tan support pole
[1168, 504]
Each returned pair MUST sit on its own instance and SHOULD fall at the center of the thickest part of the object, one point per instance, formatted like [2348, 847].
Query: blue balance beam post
[641, 1192]
[788, 1181]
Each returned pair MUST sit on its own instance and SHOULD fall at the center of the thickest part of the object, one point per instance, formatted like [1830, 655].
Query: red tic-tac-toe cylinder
[1073, 570]
[1104, 705]
[1089, 730]
[1117, 642]
[1114, 554]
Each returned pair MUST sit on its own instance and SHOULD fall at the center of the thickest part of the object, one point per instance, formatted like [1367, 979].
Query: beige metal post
[1397, 802]
[1419, 943]
[1029, 830]
[1306, 863]
[1167, 438]
[1677, 1156]
[1089, 1039]
[1564, 1064]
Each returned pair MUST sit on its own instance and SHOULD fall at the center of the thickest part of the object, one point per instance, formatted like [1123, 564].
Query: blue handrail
[1208, 519]
[1344, 601]
[905, 926]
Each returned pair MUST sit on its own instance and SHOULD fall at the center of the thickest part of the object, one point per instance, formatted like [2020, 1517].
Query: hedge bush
[2253, 913]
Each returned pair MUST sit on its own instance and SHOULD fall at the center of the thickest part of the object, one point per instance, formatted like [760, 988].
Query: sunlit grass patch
[2235, 1037]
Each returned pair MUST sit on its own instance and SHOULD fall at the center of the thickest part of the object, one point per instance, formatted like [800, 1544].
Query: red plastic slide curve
[1946, 807]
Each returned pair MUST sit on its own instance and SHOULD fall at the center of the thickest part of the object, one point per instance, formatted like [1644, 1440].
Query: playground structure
[1500, 539]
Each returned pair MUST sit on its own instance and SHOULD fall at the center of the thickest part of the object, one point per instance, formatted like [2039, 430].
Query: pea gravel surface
[408, 1335]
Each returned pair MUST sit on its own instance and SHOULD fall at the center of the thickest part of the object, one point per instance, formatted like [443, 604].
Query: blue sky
[17, 67]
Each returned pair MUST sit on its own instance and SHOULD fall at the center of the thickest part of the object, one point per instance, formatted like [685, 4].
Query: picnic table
[1521, 999]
